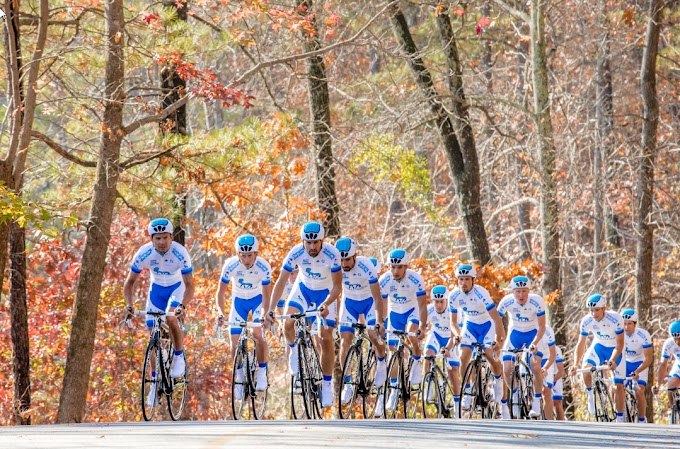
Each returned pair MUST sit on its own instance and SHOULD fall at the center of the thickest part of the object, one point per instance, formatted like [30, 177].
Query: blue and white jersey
[548, 337]
[475, 304]
[559, 357]
[248, 282]
[440, 322]
[315, 272]
[605, 330]
[356, 283]
[636, 343]
[166, 269]
[402, 295]
[523, 317]
[670, 350]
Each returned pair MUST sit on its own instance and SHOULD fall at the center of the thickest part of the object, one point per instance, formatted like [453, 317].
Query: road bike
[521, 395]
[407, 395]
[478, 385]
[437, 393]
[604, 407]
[630, 386]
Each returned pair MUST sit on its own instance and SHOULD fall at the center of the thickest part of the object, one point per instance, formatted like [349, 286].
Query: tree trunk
[524, 208]
[463, 161]
[645, 190]
[19, 316]
[547, 155]
[72, 401]
[320, 109]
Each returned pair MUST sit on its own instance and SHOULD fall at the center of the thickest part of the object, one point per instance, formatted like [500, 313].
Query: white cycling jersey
[440, 322]
[315, 272]
[356, 283]
[523, 317]
[559, 357]
[402, 295]
[636, 343]
[248, 282]
[475, 304]
[604, 331]
[670, 350]
[166, 269]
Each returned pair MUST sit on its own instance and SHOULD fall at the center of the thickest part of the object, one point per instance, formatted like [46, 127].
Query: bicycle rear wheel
[177, 397]
[631, 406]
[470, 389]
[350, 379]
[239, 387]
[371, 392]
[150, 383]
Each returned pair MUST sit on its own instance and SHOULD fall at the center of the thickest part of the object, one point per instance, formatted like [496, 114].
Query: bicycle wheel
[311, 382]
[370, 392]
[150, 383]
[239, 387]
[393, 390]
[297, 400]
[675, 412]
[258, 398]
[445, 394]
[350, 379]
[470, 389]
[177, 397]
[486, 387]
[604, 410]
[631, 406]
[431, 397]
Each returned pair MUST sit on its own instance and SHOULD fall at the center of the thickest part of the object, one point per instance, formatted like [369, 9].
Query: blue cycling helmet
[159, 226]
[246, 244]
[595, 301]
[520, 282]
[376, 264]
[466, 270]
[674, 329]
[311, 231]
[399, 257]
[438, 293]
[629, 314]
[347, 247]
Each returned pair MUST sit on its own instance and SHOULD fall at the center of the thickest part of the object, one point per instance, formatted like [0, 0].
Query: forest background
[526, 136]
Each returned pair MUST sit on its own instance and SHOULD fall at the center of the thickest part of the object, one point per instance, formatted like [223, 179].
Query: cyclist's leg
[640, 390]
[175, 300]
[590, 359]
[261, 347]
[487, 335]
[396, 322]
[557, 400]
[417, 367]
[371, 319]
[327, 341]
[673, 383]
[508, 362]
[349, 314]
[548, 383]
[295, 303]
[432, 348]
[619, 391]
[238, 313]
[454, 372]
[466, 348]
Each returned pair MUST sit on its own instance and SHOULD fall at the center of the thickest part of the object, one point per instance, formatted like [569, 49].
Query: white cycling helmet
[595, 301]
[438, 293]
[520, 282]
[466, 270]
[246, 243]
[629, 314]
[347, 247]
[311, 231]
[376, 263]
[399, 257]
[159, 226]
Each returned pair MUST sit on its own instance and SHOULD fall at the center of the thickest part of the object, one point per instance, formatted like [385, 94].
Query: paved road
[377, 434]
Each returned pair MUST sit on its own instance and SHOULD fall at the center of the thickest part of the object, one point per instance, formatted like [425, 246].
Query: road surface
[375, 434]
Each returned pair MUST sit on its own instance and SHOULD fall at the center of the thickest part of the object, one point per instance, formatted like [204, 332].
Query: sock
[504, 401]
[153, 374]
[393, 380]
[348, 378]
[619, 415]
[456, 399]
[496, 377]
[327, 378]
[538, 395]
[642, 419]
[381, 359]
[416, 358]
[291, 346]
[178, 353]
[262, 365]
[589, 390]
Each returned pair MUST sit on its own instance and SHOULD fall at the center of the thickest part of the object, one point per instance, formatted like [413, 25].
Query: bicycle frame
[605, 411]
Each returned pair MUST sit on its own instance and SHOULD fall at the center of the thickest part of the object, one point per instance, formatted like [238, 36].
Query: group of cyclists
[343, 288]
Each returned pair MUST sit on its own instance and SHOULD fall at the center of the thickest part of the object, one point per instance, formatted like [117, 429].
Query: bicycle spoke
[238, 385]
[149, 382]
[177, 397]
[350, 381]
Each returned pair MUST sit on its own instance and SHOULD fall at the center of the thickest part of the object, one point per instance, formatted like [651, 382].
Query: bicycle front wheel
[675, 411]
[258, 398]
[177, 397]
[469, 392]
[393, 388]
[431, 397]
[371, 392]
[631, 406]
[604, 409]
[151, 376]
[350, 382]
[239, 384]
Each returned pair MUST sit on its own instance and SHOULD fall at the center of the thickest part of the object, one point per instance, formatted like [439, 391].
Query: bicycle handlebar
[404, 333]
[296, 316]
[593, 369]
[249, 324]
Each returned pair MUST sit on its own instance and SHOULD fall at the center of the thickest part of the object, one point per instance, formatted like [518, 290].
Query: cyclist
[172, 287]
[526, 312]
[361, 297]
[548, 348]
[671, 349]
[407, 311]
[439, 338]
[606, 349]
[317, 288]
[558, 387]
[251, 292]
[482, 325]
[639, 356]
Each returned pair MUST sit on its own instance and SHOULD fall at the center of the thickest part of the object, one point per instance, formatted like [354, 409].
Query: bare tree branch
[132, 127]
[60, 150]
[142, 159]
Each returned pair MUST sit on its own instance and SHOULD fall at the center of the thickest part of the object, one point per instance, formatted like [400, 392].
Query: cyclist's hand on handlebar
[220, 320]
[533, 348]
[456, 340]
[572, 371]
[129, 312]
[269, 319]
[323, 311]
[611, 364]
[180, 310]
[380, 329]
[421, 333]
[655, 389]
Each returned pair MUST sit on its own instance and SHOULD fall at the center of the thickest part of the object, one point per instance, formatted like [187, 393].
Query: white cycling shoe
[416, 373]
[591, 403]
[505, 411]
[293, 361]
[380, 374]
[179, 366]
[535, 411]
[347, 393]
[327, 394]
[467, 402]
[379, 407]
[262, 381]
[392, 400]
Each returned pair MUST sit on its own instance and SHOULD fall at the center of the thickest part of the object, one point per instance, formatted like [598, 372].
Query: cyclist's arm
[578, 352]
[454, 325]
[661, 373]
[620, 343]
[280, 285]
[500, 330]
[129, 286]
[219, 297]
[336, 290]
[551, 358]
[267, 296]
[559, 371]
[189, 288]
[541, 331]
[422, 308]
[378, 300]
[649, 357]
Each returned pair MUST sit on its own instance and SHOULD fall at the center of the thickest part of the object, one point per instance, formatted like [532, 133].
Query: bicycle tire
[675, 410]
[431, 397]
[445, 393]
[486, 388]
[471, 378]
[394, 364]
[297, 406]
[631, 406]
[314, 382]
[177, 397]
[258, 399]
[148, 382]
[351, 375]
[371, 392]
[238, 406]
[604, 410]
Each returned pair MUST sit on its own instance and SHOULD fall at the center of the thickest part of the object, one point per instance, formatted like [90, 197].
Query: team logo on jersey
[521, 318]
[400, 299]
[153, 262]
[351, 286]
[245, 285]
[312, 274]
[158, 271]
[629, 352]
[603, 336]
